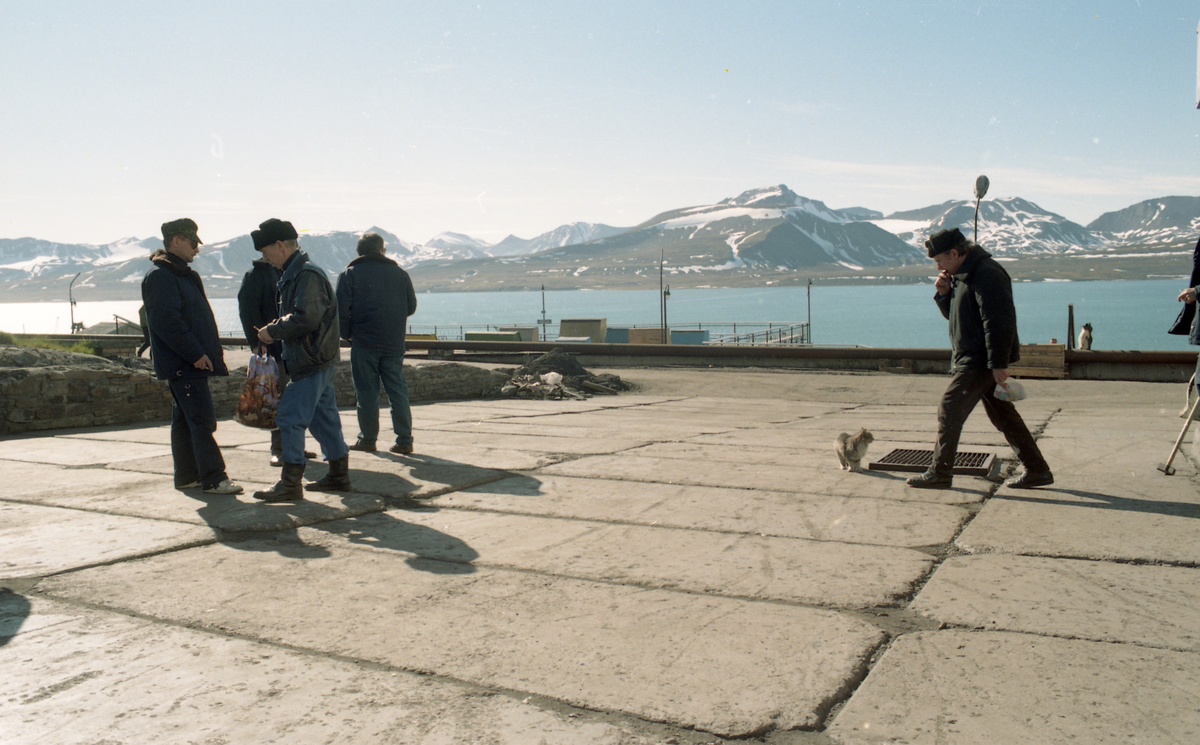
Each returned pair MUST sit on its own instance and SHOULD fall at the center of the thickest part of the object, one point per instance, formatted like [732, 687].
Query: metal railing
[720, 332]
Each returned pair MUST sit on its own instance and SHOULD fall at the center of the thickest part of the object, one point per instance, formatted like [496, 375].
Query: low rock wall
[58, 397]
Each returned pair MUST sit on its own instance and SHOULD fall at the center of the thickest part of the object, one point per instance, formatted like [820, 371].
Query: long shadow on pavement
[14, 609]
[1109, 502]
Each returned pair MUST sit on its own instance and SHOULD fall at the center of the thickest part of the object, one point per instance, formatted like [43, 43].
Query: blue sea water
[1124, 314]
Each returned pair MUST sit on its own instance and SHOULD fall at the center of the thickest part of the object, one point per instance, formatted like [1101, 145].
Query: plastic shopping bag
[260, 396]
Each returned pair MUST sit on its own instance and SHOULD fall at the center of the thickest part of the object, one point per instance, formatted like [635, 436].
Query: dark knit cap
[944, 240]
[184, 226]
[259, 241]
[275, 230]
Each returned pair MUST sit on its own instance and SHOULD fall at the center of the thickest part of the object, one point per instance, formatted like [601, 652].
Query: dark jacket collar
[164, 258]
[372, 257]
[970, 263]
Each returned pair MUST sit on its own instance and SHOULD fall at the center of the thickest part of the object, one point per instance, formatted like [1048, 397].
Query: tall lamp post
[71, 300]
[981, 187]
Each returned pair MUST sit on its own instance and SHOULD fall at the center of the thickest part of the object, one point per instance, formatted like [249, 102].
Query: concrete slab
[388, 475]
[732, 667]
[37, 541]
[229, 434]
[957, 687]
[776, 477]
[77, 676]
[882, 522]
[441, 443]
[750, 566]
[64, 451]
[1129, 459]
[1154, 606]
[23, 479]
[1108, 525]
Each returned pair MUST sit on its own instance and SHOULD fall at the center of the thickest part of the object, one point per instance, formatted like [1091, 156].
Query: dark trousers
[369, 367]
[193, 421]
[966, 389]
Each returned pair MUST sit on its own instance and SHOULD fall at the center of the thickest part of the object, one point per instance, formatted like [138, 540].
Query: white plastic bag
[552, 378]
[1010, 390]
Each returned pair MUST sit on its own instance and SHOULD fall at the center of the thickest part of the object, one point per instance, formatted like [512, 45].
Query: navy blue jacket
[375, 299]
[983, 319]
[182, 327]
[308, 318]
[1186, 323]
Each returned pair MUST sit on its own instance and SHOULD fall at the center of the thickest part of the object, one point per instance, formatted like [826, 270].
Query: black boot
[338, 478]
[289, 488]
[276, 447]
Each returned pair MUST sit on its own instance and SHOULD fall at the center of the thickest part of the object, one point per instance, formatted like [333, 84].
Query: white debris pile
[557, 375]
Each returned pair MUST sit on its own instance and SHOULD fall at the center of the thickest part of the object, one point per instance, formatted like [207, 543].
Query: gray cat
[851, 449]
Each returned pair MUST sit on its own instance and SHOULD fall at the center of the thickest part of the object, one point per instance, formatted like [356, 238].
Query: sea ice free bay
[1125, 314]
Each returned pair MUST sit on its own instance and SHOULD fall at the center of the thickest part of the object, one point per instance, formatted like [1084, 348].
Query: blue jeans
[369, 367]
[193, 421]
[309, 403]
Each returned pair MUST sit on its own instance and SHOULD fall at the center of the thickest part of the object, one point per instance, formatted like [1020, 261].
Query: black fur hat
[274, 230]
[944, 240]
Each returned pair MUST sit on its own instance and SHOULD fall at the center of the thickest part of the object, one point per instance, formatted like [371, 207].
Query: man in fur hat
[975, 293]
[308, 327]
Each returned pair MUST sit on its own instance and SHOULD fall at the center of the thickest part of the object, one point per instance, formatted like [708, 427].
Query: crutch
[1166, 467]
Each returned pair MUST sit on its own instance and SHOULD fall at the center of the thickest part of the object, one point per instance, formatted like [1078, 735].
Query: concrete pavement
[682, 564]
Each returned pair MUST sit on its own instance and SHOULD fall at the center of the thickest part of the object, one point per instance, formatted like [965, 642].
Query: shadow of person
[1095, 500]
[428, 549]
[14, 609]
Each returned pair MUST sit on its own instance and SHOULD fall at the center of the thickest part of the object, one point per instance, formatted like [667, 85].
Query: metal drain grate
[919, 461]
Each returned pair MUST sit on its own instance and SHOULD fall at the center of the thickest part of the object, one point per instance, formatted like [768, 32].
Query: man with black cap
[975, 293]
[186, 349]
[308, 328]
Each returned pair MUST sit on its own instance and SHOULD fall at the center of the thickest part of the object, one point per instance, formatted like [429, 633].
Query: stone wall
[57, 397]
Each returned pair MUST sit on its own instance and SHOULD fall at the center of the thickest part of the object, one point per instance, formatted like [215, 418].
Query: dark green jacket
[308, 318]
[983, 319]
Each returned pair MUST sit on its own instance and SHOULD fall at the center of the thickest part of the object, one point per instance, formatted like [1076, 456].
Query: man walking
[975, 293]
[308, 328]
[375, 299]
[186, 349]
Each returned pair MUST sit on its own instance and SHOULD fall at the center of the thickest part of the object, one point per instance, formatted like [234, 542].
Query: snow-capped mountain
[772, 227]
[1007, 227]
[565, 235]
[760, 236]
[1162, 220]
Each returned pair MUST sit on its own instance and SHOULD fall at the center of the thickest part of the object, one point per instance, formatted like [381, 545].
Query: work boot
[338, 478]
[364, 446]
[931, 480]
[289, 488]
[1031, 479]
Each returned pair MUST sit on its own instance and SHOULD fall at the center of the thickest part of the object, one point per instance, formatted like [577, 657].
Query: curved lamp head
[981, 187]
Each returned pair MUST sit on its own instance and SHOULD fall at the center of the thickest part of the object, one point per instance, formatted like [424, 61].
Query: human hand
[1187, 296]
[943, 283]
[1000, 376]
[204, 363]
[264, 336]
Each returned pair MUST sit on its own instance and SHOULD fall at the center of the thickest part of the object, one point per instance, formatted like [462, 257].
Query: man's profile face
[274, 254]
[184, 247]
[949, 261]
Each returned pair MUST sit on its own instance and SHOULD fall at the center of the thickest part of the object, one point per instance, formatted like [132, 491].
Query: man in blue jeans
[375, 299]
[308, 327]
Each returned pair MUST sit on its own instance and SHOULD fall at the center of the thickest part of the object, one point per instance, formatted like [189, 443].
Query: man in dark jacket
[375, 299]
[308, 327]
[186, 349]
[975, 293]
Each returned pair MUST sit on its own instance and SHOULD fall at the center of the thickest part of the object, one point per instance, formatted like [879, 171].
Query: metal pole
[71, 300]
[810, 311]
[1070, 325]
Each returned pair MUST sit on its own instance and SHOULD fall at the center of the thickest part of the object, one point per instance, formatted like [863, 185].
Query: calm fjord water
[1125, 315]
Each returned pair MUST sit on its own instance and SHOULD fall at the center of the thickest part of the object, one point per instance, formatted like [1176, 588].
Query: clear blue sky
[490, 118]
